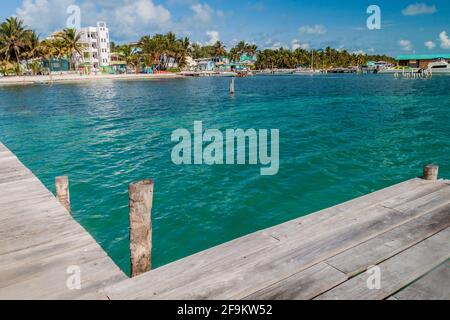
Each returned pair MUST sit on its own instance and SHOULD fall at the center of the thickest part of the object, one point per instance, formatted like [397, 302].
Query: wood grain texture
[435, 285]
[40, 241]
[386, 245]
[396, 272]
[235, 272]
[304, 285]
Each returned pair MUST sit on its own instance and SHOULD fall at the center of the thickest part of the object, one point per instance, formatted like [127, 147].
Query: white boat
[439, 67]
[305, 71]
[228, 74]
[282, 71]
[398, 69]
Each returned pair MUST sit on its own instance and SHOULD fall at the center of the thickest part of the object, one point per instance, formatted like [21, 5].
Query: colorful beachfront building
[223, 63]
[55, 65]
[96, 44]
[210, 64]
[420, 60]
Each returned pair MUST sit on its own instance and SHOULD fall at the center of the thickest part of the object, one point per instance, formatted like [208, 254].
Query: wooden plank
[51, 282]
[223, 279]
[415, 189]
[40, 241]
[378, 249]
[304, 285]
[396, 272]
[435, 285]
[426, 203]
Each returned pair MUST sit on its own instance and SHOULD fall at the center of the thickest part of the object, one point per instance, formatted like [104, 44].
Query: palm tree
[234, 54]
[183, 49]
[13, 39]
[129, 55]
[251, 49]
[71, 41]
[32, 50]
[32, 45]
[219, 49]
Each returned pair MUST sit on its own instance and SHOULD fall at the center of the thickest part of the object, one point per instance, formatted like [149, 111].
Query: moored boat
[398, 69]
[439, 67]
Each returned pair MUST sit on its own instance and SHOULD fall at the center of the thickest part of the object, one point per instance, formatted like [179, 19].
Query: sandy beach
[65, 78]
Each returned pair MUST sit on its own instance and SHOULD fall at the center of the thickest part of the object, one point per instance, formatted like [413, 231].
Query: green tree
[71, 42]
[13, 39]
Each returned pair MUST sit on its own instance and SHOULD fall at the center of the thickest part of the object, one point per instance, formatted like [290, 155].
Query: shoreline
[71, 78]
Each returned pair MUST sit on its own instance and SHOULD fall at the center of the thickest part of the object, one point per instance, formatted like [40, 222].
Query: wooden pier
[42, 248]
[402, 230]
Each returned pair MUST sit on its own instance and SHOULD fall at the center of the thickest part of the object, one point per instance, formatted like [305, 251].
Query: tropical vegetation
[319, 59]
[21, 46]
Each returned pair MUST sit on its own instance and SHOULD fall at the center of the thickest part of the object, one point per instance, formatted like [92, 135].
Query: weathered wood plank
[388, 244]
[415, 189]
[39, 241]
[304, 285]
[223, 279]
[396, 272]
[433, 286]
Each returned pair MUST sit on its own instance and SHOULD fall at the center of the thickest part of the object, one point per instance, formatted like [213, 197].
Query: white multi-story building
[97, 52]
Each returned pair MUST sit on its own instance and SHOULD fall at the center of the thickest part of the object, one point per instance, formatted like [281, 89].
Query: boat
[398, 69]
[42, 82]
[264, 72]
[282, 71]
[228, 74]
[305, 71]
[439, 67]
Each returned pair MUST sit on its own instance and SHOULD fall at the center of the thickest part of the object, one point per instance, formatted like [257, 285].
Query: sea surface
[341, 136]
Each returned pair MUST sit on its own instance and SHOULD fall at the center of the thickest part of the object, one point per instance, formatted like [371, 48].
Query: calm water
[340, 137]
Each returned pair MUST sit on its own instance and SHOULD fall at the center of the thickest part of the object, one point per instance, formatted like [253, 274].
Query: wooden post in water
[140, 203]
[430, 172]
[232, 86]
[62, 191]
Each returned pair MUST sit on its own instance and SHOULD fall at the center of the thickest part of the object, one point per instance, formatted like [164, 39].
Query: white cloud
[418, 9]
[202, 12]
[359, 52]
[273, 44]
[406, 45]
[430, 45]
[317, 29]
[139, 15]
[296, 44]
[125, 18]
[213, 37]
[45, 16]
[445, 41]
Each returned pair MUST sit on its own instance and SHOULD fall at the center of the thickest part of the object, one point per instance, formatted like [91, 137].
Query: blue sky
[407, 26]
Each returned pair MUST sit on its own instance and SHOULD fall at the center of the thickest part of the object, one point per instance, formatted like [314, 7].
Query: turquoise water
[340, 137]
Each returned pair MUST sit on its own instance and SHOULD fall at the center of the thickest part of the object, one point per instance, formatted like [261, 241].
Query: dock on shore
[400, 233]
